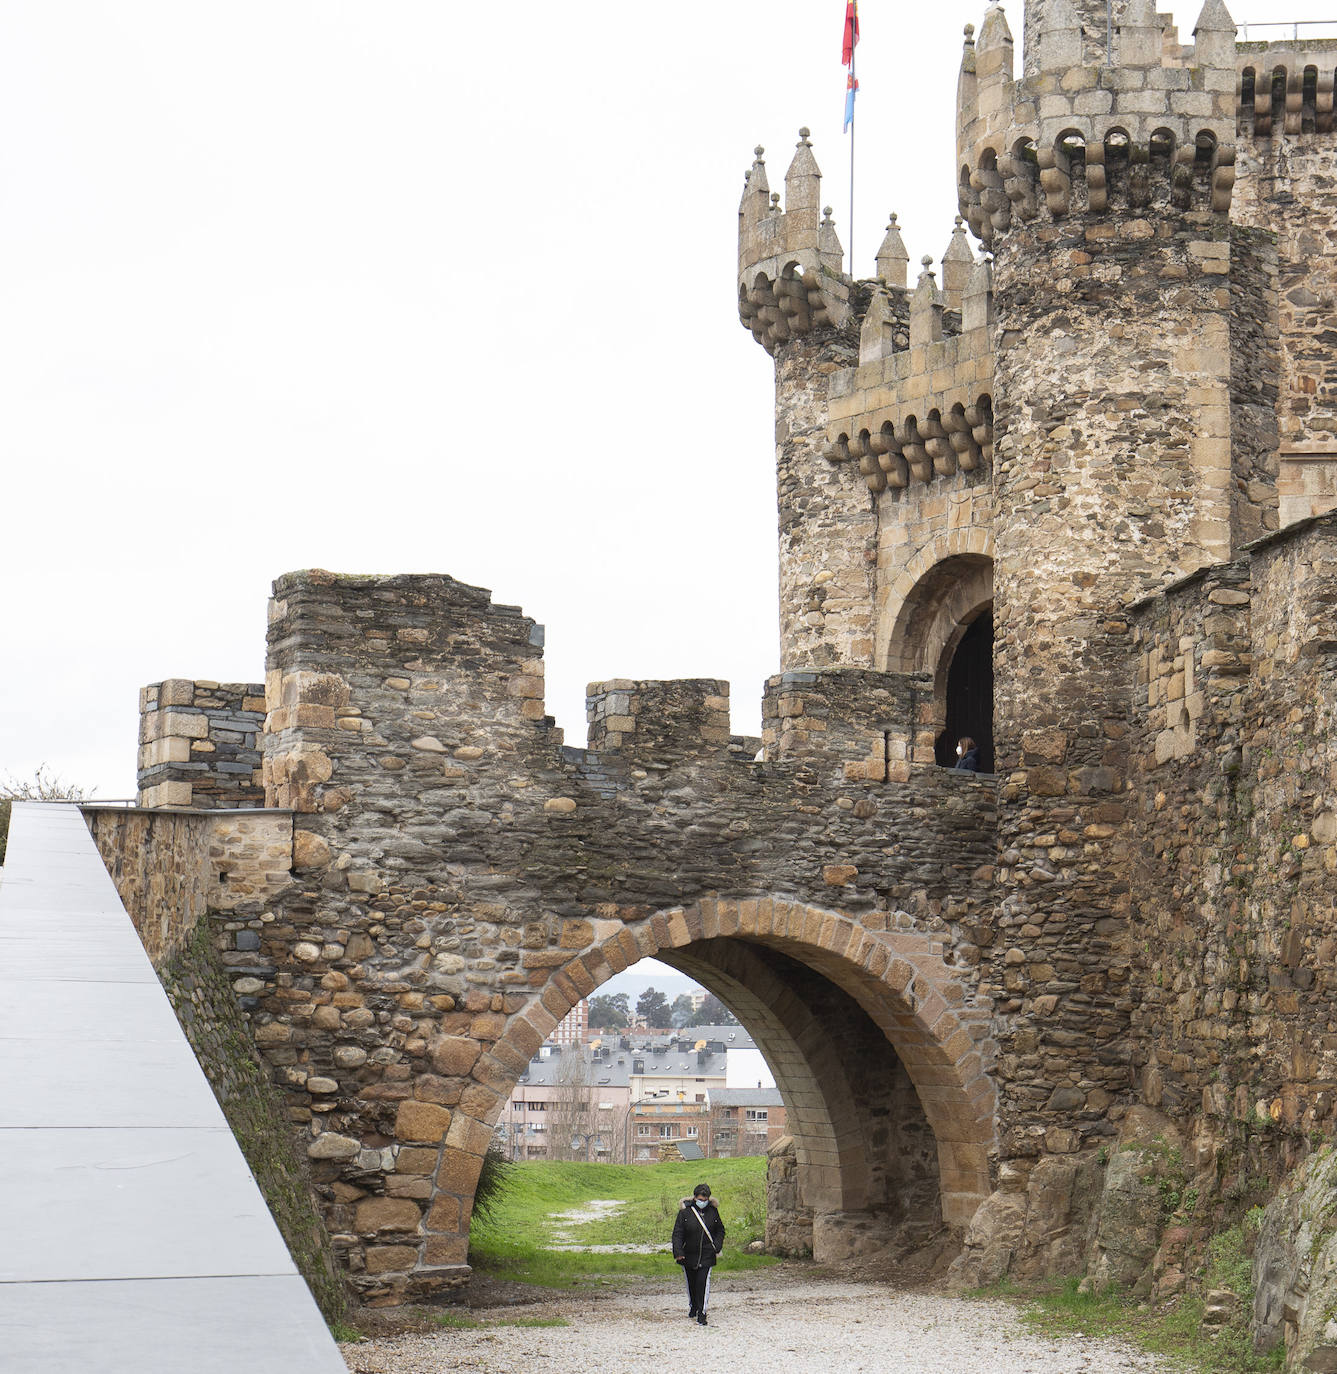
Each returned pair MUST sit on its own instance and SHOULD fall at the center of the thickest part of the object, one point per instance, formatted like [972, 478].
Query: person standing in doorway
[967, 755]
[698, 1238]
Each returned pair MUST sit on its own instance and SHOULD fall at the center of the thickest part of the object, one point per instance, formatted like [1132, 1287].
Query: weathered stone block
[422, 1122]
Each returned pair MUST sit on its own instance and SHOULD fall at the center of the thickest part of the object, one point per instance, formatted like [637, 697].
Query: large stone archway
[461, 878]
[897, 979]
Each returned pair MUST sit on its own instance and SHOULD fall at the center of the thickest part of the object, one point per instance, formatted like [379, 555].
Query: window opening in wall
[970, 695]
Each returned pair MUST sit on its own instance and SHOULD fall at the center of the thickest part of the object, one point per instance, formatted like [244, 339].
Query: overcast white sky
[407, 287]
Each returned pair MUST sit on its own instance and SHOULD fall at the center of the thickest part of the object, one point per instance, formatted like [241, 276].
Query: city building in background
[629, 1096]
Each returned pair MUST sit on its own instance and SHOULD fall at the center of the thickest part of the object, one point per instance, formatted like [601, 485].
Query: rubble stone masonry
[1114, 434]
[463, 878]
[1234, 777]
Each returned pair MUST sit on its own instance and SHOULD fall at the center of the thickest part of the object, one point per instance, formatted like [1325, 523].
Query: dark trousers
[698, 1286]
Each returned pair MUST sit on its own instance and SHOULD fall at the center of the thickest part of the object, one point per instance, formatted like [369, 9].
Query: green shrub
[492, 1182]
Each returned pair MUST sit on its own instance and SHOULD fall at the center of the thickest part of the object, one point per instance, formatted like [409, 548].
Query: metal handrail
[1295, 25]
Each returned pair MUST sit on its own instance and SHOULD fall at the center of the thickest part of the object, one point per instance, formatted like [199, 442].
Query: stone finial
[956, 264]
[756, 191]
[977, 299]
[892, 259]
[1140, 35]
[775, 203]
[968, 51]
[829, 249]
[803, 185]
[1060, 37]
[925, 307]
[1214, 36]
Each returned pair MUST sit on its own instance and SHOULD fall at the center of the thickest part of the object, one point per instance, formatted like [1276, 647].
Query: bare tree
[571, 1118]
[44, 785]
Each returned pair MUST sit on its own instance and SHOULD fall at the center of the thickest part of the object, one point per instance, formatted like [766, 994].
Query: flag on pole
[847, 56]
[851, 32]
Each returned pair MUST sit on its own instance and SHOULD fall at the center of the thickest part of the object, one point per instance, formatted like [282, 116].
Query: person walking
[698, 1238]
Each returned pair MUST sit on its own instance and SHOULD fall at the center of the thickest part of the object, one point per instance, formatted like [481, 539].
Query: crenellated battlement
[1286, 87]
[1103, 116]
[908, 415]
[790, 262]
[659, 721]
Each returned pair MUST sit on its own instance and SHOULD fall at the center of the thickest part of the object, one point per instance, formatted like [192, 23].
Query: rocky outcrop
[1143, 1171]
[1034, 1224]
[1295, 1268]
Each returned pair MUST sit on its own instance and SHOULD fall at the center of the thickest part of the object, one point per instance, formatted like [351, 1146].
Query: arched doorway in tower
[942, 628]
[969, 694]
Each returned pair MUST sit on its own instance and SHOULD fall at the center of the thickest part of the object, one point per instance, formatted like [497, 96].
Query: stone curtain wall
[171, 868]
[199, 744]
[463, 879]
[162, 871]
[1287, 188]
[1234, 772]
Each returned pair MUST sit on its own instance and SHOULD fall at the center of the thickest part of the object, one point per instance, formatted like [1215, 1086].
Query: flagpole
[853, 116]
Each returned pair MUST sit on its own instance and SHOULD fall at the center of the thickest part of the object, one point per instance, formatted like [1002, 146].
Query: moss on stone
[214, 1024]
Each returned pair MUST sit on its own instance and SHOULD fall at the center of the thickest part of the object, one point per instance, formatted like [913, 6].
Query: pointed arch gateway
[880, 1058]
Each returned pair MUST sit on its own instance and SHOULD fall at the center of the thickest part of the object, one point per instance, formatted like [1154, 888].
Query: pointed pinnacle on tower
[925, 307]
[1140, 35]
[830, 252]
[877, 334]
[803, 186]
[956, 264]
[756, 190]
[977, 300]
[1214, 36]
[892, 260]
[994, 32]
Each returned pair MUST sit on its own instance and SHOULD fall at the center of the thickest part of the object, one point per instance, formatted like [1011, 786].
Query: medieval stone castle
[1067, 498]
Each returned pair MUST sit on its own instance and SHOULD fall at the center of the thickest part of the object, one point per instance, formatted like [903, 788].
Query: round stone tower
[794, 298]
[1101, 182]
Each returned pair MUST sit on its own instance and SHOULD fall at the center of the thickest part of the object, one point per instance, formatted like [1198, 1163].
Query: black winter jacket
[689, 1236]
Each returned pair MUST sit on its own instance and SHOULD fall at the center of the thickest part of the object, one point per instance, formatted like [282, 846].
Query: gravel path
[763, 1322]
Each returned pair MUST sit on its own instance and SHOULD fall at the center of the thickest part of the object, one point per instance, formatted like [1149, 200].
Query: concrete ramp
[132, 1235]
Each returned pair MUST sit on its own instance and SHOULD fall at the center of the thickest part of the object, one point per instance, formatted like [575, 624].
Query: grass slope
[511, 1242]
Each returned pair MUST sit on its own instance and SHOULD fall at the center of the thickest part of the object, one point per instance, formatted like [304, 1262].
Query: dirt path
[776, 1319]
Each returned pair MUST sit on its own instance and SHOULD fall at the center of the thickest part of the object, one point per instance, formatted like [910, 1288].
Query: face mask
[959, 751]
[701, 1203]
